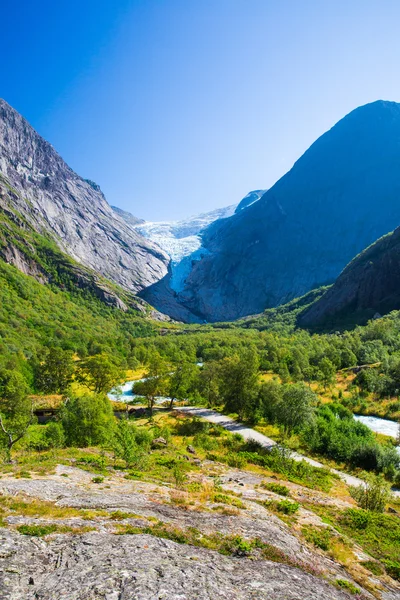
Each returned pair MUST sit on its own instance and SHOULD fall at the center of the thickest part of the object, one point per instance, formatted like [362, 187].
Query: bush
[347, 585]
[287, 507]
[277, 488]
[192, 426]
[36, 530]
[356, 518]
[318, 536]
[374, 495]
[202, 440]
[392, 568]
[236, 460]
[87, 420]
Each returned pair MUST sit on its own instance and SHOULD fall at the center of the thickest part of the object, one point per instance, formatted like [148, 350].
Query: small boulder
[191, 450]
[160, 441]
[196, 461]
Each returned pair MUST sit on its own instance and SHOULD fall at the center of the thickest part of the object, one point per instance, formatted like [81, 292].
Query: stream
[379, 425]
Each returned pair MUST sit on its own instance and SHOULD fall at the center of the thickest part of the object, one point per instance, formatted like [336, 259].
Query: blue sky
[180, 106]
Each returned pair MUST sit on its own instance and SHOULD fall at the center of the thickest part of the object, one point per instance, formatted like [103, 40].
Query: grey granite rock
[54, 199]
[97, 566]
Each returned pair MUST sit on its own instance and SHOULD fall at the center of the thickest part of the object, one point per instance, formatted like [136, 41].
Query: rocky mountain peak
[73, 210]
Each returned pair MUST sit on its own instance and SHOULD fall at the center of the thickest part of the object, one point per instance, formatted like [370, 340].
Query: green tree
[125, 445]
[295, 408]
[99, 373]
[55, 370]
[326, 371]
[208, 382]
[239, 381]
[87, 420]
[155, 379]
[270, 396]
[181, 382]
[16, 409]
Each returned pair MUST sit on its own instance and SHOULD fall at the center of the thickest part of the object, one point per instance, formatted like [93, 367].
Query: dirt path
[250, 434]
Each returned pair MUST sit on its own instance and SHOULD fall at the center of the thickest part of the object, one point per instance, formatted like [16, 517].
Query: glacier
[181, 240]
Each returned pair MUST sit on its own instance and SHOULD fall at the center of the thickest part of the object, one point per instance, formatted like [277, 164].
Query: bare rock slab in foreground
[94, 566]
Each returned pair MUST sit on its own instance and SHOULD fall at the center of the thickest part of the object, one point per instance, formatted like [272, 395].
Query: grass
[377, 534]
[42, 530]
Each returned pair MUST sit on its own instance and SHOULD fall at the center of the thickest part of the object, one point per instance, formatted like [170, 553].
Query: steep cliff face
[338, 198]
[73, 210]
[370, 284]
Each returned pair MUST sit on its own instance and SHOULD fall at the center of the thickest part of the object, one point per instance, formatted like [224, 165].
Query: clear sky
[176, 107]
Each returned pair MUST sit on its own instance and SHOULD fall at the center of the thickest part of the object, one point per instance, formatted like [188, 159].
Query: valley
[177, 398]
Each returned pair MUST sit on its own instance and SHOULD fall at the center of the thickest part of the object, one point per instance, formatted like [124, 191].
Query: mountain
[369, 285]
[56, 201]
[127, 216]
[338, 198]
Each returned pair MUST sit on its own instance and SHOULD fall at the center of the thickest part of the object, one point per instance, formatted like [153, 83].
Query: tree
[53, 374]
[16, 409]
[125, 445]
[327, 371]
[87, 420]
[239, 381]
[181, 382]
[270, 395]
[99, 373]
[154, 383]
[208, 382]
[295, 408]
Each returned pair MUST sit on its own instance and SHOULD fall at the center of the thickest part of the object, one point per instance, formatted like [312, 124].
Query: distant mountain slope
[338, 198]
[369, 284]
[55, 200]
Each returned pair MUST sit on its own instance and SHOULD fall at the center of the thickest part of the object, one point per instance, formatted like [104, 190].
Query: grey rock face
[101, 565]
[338, 198]
[127, 216]
[367, 288]
[73, 210]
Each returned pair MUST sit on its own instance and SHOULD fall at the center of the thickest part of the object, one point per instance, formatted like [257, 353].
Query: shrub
[347, 585]
[373, 566]
[192, 426]
[236, 460]
[36, 530]
[392, 568]
[202, 440]
[357, 518]
[87, 420]
[287, 507]
[374, 495]
[98, 479]
[277, 488]
[319, 536]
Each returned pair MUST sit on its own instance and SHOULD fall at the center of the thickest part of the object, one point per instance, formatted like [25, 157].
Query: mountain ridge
[74, 211]
[344, 187]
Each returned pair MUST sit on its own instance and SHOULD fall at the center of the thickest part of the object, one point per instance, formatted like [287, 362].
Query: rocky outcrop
[338, 198]
[369, 285]
[56, 201]
[101, 565]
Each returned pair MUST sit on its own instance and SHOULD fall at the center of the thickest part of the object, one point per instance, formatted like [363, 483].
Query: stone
[191, 450]
[160, 441]
[101, 565]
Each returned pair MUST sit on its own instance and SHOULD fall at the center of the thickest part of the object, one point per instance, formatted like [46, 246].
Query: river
[379, 425]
